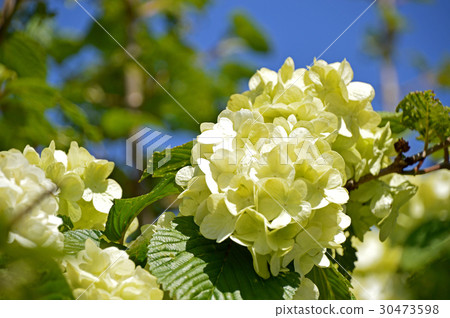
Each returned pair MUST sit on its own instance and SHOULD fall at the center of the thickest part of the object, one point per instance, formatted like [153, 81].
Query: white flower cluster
[108, 274]
[84, 192]
[270, 174]
[34, 189]
[26, 200]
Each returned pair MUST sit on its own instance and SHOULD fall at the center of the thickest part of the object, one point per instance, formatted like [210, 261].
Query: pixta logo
[141, 147]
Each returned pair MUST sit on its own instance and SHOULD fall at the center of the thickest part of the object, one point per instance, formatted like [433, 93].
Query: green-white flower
[108, 274]
[270, 174]
[85, 193]
[26, 196]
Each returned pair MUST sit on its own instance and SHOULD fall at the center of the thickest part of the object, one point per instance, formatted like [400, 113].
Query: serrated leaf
[423, 112]
[332, 285]
[180, 157]
[124, 211]
[24, 55]
[74, 240]
[190, 266]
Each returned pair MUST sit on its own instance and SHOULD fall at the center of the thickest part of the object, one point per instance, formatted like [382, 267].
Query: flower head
[85, 193]
[270, 174]
[108, 274]
[26, 196]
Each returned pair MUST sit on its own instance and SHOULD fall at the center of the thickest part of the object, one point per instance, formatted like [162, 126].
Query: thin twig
[8, 10]
[400, 164]
[443, 165]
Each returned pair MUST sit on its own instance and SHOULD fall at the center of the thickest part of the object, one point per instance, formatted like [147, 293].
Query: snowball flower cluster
[27, 201]
[85, 193]
[108, 274]
[270, 174]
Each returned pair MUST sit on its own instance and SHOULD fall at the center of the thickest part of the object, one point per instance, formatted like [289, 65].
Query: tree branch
[8, 10]
[401, 163]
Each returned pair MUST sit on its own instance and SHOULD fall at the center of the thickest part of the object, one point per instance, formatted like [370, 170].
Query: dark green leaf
[74, 240]
[63, 47]
[30, 93]
[24, 55]
[332, 285]
[443, 76]
[347, 259]
[76, 116]
[431, 281]
[429, 242]
[125, 210]
[190, 266]
[120, 122]
[250, 33]
[139, 249]
[31, 274]
[67, 224]
[180, 157]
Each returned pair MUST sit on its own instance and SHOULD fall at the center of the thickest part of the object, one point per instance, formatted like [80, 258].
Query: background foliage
[102, 97]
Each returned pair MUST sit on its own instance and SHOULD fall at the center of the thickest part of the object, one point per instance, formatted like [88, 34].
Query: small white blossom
[108, 274]
[26, 194]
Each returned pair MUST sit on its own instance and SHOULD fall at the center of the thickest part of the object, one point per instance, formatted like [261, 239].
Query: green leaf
[24, 55]
[427, 243]
[63, 47]
[332, 285]
[400, 194]
[138, 250]
[74, 240]
[32, 94]
[67, 224]
[395, 120]
[119, 122]
[348, 258]
[190, 266]
[180, 157]
[249, 32]
[31, 274]
[125, 210]
[423, 112]
[443, 76]
[362, 218]
[76, 116]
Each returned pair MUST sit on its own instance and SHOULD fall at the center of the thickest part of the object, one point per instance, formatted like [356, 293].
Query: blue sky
[303, 29]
